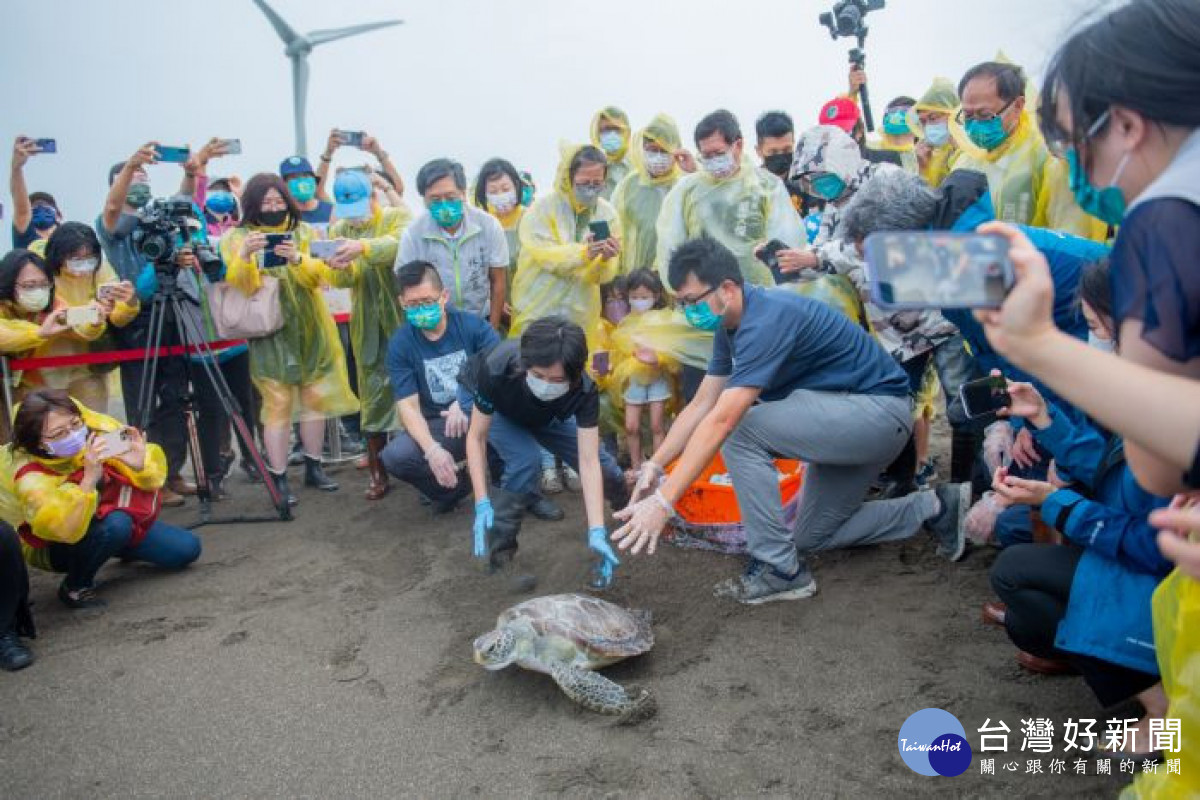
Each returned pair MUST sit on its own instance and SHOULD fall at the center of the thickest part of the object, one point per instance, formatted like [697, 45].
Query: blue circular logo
[933, 742]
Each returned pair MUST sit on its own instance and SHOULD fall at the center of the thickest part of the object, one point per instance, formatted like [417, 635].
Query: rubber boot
[509, 509]
[314, 475]
[379, 477]
[281, 483]
[963, 444]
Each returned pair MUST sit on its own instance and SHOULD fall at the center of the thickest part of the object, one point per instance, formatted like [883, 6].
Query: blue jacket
[1108, 613]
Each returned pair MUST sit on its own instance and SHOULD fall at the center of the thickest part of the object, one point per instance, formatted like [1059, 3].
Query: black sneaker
[949, 527]
[545, 509]
[762, 583]
[79, 599]
[14, 655]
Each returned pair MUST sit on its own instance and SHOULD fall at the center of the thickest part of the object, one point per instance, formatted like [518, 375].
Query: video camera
[848, 18]
[166, 226]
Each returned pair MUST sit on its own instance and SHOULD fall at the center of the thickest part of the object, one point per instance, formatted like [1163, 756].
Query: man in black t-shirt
[526, 396]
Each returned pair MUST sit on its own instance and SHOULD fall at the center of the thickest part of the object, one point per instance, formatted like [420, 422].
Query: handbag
[236, 315]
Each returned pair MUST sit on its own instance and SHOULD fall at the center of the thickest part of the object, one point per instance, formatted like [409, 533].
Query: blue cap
[352, 194]
[295, 165]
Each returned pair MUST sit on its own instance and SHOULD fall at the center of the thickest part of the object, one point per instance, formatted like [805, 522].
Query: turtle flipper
[597, 693]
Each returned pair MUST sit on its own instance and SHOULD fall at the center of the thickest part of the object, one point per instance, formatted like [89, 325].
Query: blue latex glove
[485, 517]
[598, 543]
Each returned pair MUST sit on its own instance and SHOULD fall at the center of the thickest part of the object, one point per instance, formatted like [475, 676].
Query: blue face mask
[1107, 204]
[220, 202]
[446, 213]
[988, 134]
[303, 189]
[611, 142]
[44, 218]
[828, 186]
[895, 123]
[937, 133]
[527, 195]
[701, 316]
[425, 318]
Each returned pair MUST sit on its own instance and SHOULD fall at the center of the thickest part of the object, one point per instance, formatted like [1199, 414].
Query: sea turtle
[566, 636]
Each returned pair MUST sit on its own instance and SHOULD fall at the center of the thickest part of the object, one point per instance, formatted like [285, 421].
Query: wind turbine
[298, 46]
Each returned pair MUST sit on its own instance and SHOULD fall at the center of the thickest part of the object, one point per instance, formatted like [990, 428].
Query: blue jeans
[164, 545]
[521, 451]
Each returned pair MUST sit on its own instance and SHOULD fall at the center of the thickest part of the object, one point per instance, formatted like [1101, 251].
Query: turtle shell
[594, 625]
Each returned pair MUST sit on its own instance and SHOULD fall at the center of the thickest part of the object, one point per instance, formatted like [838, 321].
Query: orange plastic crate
[706, 503]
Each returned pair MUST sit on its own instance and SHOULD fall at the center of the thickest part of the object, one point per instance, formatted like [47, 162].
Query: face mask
[937, 133]
[526, 196]
[81, 266]
[502, 203]
[138, 195]
[828, 186]
[611, 142]
[988, 134]
[545, 390]
[720, 166]
[447, 213]
[1107, 204]
[303, 189]
[69, 445]
[44, 218]
[895, 123]
[220, 202]
[588, 195]
[273, 219]
[33, 300]
[700, 315]
[1104, 345]
[425, 318]
[778, 164]
[657, 163]
[641, 304]
[615, 310]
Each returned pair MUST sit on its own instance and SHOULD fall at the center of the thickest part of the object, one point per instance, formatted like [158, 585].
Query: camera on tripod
[166, 226]
[848, 18]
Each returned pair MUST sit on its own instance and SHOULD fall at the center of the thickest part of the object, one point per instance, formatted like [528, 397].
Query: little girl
[648, 382]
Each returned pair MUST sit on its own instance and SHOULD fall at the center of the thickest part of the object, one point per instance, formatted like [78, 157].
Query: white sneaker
[571, 478]
[551, 482]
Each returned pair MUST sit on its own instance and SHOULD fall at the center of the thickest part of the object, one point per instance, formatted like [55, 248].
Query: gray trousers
[846, 440]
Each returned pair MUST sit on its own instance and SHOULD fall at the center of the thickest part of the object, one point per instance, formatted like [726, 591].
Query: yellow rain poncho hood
[554, 273]
[639, 197]
[618, 163]
[940, 98]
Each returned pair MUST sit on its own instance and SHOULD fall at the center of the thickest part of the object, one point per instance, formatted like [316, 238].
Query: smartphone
[105, 290]
[769, 255]
[601, 363]
[270, 259]
[116, 443]
[172, 155]
[938, 269]
[323, 248]
[46, 145]
[985, 396]
[351, 138]
[600, 230]
[232, 147]
[83, 315]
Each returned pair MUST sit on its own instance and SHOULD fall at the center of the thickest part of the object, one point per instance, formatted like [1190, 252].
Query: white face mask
[1104, 345]
[502, 203]
[33, 300]
[641, 304]
[719, 166]
[658, 163]
[81, 266]
[545, 390]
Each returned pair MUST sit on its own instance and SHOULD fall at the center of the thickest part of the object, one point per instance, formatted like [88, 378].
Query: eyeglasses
[685, 302]
[982, 116]
[585, 186]
[54, 436]
[424, 301]
[1060, 141]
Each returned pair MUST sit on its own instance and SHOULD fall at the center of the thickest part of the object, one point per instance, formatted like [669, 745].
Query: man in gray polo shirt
[466, 244]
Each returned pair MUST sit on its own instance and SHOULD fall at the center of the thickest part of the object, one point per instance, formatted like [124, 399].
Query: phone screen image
[985, 396]
[172, 155]
[600, 230]
[83, 315]
[938, 270]
[351, 138]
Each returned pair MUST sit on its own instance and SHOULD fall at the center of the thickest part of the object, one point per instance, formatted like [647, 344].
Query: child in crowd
[646, 384]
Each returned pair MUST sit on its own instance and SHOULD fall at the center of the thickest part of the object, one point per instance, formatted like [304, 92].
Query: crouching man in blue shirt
[789, 378]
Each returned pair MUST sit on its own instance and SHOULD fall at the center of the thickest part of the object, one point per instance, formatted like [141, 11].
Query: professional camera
[847, 18]
[166, 226]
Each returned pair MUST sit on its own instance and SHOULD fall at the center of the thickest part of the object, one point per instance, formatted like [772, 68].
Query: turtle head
[496, 649]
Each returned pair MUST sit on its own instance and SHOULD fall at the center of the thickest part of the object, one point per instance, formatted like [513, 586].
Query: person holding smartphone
[86, 497]
[36, 214]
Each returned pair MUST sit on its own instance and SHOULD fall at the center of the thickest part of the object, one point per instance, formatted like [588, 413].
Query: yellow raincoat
[299, 370]
[639, 197]
[375, 314]
[58, 510]
[618, 162]
[19, 337]
[942, 98]
[554, 274]
[1058, 210]
[747, 209]
[668, 334]
[510, 223]
[835, 291]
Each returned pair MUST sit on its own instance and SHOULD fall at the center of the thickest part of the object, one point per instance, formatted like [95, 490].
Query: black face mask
[272, 218]
[778, 164]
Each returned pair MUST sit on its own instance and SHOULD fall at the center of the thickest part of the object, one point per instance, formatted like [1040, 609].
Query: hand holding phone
[172, 155]
[46, 145]
[79, 316]
[270, 257]
[324, 249]
[230, 147]
[600, 230]
[938, 269]
[351, 138]
[116, 443]
[985, 396]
